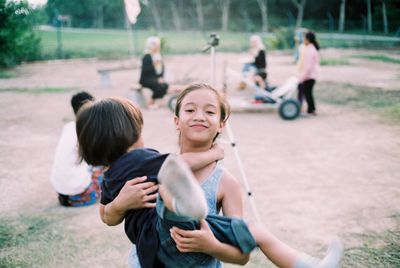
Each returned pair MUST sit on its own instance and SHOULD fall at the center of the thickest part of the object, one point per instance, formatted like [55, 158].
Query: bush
[17, 40]
[284, 38]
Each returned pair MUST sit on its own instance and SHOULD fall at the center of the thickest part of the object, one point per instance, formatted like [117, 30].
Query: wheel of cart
[289, 109]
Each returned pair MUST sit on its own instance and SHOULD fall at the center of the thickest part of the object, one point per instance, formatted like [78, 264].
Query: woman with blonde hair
[257, 66]
[152, 73]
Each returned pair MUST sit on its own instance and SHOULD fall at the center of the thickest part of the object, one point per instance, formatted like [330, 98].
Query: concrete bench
[105, 78]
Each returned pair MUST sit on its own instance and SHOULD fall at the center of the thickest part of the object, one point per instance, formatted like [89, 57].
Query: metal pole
[233, 144]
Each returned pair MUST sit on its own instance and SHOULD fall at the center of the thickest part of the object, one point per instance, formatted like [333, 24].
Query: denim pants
[233, 231]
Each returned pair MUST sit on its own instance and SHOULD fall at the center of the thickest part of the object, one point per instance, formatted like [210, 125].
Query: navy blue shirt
[140, 225]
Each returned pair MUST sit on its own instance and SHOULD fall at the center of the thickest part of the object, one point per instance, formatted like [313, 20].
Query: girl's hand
[202, 240]
[136, 194]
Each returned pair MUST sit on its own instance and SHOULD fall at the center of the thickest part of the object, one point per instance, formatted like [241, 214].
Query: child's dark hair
[79, 99]
[224, 106]
[106, 129]
[313, 40]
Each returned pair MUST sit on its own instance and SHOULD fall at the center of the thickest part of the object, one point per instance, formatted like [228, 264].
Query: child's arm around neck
[198, 160]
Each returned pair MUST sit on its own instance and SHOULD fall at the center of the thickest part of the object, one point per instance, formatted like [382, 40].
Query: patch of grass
[5, 74]
[41, 90]
[339, 61]
[29, 241]
[378, 250]
[384, 102]
[381, 57]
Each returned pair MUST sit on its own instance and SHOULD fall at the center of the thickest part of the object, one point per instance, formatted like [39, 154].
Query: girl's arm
[203, 240]
[199, 160]
[135, 194]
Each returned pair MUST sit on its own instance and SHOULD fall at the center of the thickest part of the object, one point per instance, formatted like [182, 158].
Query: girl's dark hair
[107, 129]
[313, 40]
[224, 106]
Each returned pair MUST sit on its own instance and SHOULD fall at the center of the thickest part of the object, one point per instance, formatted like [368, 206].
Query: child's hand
[202, 240]
[136, 194]
[219, 151]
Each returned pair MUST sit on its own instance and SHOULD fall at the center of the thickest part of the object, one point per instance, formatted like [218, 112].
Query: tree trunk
[225, 4]
[384, 16]
[263, 4]
[300, 11]
[369, 16]
[175, 16]
[200, 15]
[156, 15]
[100, 17]
[342, 15]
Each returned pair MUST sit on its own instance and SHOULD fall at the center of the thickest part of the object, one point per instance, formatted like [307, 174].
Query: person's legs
[300, 93]
[286, 257]
[308, 92]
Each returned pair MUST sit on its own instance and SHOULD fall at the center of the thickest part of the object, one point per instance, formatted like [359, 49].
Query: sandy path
[336, 173]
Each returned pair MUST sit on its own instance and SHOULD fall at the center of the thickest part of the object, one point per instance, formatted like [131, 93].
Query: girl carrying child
[200, 116]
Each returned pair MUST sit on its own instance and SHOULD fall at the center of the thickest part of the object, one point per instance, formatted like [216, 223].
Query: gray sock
[187, 195]
[331, 259]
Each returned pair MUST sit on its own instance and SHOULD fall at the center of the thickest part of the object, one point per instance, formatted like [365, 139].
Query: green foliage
[334, 61]
[382, 58]
[17, 40]
[4, 74]
[284, 38]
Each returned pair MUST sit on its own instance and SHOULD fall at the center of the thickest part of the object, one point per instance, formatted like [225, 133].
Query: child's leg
[284, 256]
[278, 252]
[181, 194]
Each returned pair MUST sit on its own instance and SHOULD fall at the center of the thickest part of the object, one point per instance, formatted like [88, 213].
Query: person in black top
[152, 72]
[256, 67]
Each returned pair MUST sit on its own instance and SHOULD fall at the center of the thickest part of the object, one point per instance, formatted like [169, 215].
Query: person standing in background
[308, 66]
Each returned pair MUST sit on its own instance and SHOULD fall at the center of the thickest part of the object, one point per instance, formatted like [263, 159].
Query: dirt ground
[334, 174]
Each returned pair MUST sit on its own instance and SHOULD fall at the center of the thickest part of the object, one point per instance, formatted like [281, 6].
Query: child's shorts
[89, 196]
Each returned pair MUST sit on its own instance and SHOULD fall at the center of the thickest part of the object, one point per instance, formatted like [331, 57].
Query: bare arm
[199, 160]
[203, 240]
[134, 195]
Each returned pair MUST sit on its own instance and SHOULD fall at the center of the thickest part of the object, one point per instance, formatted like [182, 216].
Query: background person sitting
[76, 183]
[152, 73]
[255, 67]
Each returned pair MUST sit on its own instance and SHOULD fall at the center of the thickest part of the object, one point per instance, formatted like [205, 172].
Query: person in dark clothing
[256, 68]
[152, 72]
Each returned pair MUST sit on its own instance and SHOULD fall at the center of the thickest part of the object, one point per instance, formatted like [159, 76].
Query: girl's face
[199, 118]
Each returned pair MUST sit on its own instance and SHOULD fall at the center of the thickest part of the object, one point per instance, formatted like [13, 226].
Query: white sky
[37, 2]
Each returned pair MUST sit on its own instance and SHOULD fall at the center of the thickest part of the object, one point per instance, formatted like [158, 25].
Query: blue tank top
[168, 253]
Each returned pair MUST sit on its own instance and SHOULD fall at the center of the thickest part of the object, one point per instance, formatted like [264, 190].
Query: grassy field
[112, 44]
[375, 100]
[106, 44]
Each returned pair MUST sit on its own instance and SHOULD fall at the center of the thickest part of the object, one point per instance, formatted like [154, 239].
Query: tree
[18, 42]
[369, 16]
[263, 4]
[156, 14]
[225, 4]
[200, 14]
[175, 16]
[384, 17]
[342, 15]
[300, 11]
